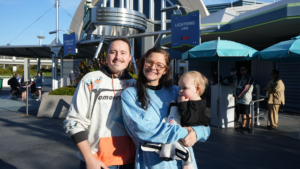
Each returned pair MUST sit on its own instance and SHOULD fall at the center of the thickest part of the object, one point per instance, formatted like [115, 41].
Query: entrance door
[182, 67]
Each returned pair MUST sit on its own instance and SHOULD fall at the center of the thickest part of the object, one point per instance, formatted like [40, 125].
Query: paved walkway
[28, 142]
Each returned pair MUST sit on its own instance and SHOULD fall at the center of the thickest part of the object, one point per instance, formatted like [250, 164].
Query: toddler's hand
[191, 166]
[182, 99]
[185, 167]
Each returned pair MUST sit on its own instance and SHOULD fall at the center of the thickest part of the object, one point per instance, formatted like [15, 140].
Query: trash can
[1, 83]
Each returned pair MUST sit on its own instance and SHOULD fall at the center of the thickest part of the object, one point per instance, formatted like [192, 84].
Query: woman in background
[39, 85]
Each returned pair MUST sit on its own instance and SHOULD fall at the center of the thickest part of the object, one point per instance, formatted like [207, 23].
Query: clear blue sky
[17, 15]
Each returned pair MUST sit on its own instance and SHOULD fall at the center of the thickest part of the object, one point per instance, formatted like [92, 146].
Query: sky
[17, 15]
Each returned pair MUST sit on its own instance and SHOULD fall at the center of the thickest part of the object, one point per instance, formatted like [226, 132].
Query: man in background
[243, 94]
[276, 99]
[72, 78]
[14, 85]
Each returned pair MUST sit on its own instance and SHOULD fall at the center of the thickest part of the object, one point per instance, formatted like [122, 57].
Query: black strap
[182, 154]
[151, 146]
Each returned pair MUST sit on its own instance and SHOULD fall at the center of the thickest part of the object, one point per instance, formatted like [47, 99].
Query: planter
[54, 106]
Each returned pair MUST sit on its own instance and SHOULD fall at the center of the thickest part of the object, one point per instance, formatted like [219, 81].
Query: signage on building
[87, 14]
[86, 19]
[70, 44]
[185, 29]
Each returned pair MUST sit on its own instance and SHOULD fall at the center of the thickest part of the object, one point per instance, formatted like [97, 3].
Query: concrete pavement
[28, 142]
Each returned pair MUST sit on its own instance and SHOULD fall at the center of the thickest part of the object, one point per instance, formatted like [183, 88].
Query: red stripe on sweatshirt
[247, 86]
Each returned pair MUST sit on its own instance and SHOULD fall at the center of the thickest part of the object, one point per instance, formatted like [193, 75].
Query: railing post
[252, 116]
[257, 104]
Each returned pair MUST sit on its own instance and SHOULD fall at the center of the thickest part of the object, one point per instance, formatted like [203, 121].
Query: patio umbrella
[286, 51]
[220, 50]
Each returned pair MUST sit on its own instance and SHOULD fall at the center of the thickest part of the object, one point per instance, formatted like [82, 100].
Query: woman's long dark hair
[165, 80]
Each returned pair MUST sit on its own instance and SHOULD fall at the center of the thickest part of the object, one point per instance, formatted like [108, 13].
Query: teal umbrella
[286, 51]
[220, 50]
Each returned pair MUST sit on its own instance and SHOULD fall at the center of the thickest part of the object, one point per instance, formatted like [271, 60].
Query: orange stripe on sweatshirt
[116, 150]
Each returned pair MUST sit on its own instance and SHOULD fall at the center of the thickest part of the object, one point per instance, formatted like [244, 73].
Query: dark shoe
[239, 128]
[244, 130]
[272, 127]
[249, 130]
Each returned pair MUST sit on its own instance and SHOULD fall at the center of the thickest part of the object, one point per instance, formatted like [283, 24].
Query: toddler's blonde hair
[199, 80]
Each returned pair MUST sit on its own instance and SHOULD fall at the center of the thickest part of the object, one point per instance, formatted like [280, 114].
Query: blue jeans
[126, 166]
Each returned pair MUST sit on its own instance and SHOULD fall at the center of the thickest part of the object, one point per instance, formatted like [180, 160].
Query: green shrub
[1, 71]
[69, 91]
[135, 76]
[19, 71]
[7, 71]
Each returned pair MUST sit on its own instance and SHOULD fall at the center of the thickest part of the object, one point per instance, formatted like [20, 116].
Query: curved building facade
[150, 8]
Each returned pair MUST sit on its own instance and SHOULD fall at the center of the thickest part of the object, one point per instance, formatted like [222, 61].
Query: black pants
[237, 114]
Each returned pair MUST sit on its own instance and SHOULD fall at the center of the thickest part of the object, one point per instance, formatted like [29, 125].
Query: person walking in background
[23, 88]
[17, 77]
[230, 80]
[276, 99]
[14, 85]
[39, 85]
[243, 95]
[72, 78]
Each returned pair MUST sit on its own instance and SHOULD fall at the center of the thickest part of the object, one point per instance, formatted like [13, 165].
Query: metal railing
[252, 113]
[258, 97]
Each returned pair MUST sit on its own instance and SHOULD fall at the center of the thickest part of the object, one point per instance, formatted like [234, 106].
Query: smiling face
[187, 88]
[118, 57]
[154, 68]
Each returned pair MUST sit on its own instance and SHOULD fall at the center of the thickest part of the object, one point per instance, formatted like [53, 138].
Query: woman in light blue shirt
[145, 106]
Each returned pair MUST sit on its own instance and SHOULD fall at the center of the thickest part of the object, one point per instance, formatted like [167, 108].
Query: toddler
[189, 111]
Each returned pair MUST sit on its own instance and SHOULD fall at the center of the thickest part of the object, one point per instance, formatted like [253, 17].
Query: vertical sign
[26, 70]
[70, 44]
[185, 29]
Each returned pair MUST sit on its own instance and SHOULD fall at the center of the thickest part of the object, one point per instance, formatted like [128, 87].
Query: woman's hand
[191, 138]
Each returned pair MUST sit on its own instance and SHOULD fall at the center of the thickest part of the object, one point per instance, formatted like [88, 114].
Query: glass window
[182, 70]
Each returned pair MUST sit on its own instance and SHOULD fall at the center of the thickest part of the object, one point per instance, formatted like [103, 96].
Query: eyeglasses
[272, 73]
[158, 65]
[242, 69]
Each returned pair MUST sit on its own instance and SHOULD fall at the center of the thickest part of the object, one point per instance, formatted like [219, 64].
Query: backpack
[9, 82]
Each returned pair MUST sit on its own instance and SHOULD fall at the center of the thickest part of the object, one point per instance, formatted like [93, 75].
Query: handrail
[259, 100]
[252, 113]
